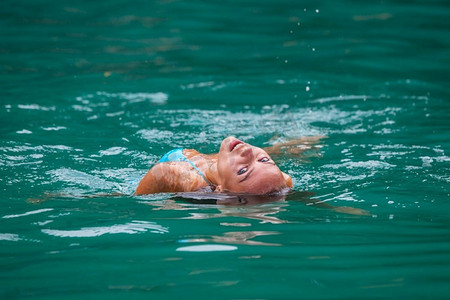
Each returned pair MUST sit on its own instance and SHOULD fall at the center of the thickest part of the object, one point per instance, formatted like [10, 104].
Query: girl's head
[244, 168]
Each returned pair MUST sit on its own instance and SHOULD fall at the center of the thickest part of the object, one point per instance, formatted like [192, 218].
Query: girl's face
[247, 169]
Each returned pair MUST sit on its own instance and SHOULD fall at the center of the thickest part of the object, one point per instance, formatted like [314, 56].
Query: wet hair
[229, 198]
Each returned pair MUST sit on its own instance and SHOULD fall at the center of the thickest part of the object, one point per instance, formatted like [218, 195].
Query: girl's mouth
[235, 144]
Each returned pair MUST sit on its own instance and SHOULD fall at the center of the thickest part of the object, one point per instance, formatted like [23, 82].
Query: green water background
[93, 93]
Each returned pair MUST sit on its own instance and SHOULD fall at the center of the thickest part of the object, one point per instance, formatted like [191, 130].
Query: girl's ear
[288, 179]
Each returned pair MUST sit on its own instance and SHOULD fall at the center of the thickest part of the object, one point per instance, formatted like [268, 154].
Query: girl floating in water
[244, 173]
[238, 168]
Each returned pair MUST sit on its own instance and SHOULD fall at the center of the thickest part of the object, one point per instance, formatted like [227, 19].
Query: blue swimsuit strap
[177, 155]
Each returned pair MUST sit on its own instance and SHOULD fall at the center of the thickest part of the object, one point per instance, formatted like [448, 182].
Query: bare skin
[238, 167]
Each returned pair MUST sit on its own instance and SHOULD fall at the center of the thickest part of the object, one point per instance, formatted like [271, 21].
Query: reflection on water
[228, 205]
[9, 237]
[265, 209]
[129, 228]
[33, 212]
[234, 237]
[265, 214]
[206, 248]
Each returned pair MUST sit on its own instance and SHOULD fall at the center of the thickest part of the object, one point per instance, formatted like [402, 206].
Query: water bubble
[317, 11]
[307, 88]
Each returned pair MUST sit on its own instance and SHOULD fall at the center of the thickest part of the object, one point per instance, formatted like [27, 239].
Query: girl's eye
[264, 159]
[242, 171]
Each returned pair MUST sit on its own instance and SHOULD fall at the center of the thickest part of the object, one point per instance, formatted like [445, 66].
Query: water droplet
[317, 11]
[285, 61]
[307, 88]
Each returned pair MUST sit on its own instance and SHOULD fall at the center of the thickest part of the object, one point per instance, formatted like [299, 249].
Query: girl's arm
[295, 146]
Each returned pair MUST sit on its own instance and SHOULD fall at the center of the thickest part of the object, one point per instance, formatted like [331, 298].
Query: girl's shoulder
[193, 154]
[167, 177]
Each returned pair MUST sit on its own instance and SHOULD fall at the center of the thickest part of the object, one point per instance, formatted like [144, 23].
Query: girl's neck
[207, 163]
[211, 172]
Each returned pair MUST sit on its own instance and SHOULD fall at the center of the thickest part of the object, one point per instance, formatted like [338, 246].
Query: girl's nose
[247, 152]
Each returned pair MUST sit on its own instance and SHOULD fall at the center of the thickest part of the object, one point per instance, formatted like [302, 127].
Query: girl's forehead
[263, 183]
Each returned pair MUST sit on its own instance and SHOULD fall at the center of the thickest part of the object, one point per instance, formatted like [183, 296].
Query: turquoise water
[94, 93]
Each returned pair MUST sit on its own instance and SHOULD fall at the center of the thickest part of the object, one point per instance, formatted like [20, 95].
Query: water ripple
[33, 212]
[207, 248]
[133, 227]
[371, 164]
[155, 98]
[9, 237]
